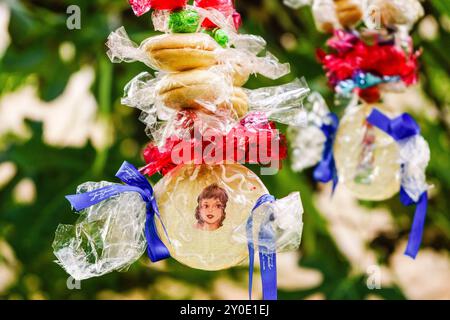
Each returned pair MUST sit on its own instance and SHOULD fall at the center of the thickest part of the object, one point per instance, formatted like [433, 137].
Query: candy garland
[369, 53]
[203, 125]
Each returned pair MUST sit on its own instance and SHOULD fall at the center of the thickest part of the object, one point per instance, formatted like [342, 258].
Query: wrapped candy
[111, 231]
[213, 104]
[330, 15]
[226, 7]
[141, 7]
[308, 140]
[388, 13]
[185, 51]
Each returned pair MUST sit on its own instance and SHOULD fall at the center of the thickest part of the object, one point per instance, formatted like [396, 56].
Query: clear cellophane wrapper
[307, 141]
[108, 236]
[282, 219]
[324, 13]
[243, 50]
[283, 104]
[414, 156]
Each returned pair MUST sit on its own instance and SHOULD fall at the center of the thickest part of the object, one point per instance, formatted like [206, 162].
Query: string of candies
[374, 153]
[208, 211]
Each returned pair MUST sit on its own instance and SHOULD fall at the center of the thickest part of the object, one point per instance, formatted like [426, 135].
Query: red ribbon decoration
[226, 7]
[350, 53]
[141, 7]
[251, 139]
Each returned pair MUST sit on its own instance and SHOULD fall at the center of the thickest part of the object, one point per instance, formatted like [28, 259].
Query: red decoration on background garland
[226, 7]
[350, 53]
[246, 139]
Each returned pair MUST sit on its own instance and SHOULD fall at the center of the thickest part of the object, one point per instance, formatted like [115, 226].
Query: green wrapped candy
[221, 37]
[184, 21]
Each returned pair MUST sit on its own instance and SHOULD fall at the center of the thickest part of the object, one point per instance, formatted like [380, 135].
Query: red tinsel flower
[252, 140]
[350, 54]
[226, 7]
[142, 6]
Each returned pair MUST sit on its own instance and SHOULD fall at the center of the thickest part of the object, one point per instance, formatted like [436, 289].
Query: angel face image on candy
[210, 211]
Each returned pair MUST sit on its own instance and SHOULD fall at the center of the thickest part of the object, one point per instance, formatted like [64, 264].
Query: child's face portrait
[210, 212]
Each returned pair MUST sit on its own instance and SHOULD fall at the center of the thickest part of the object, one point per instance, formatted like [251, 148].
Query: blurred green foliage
[37, 30]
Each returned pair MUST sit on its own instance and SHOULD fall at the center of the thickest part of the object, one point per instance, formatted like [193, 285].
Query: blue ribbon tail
[267, 259]
[156, 249]
[326, 170]
[268, 262]
[251, 265]
[415, 237]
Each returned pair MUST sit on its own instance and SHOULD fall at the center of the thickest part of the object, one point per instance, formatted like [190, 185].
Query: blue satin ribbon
[326, 171]
[404, 127]
[267, 256]
[363, 80]
[135, 182]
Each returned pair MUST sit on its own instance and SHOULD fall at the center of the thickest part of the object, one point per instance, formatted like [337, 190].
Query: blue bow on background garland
[326, 171]
[362, 80]
[267, 256]
[404, 127]
[135, 182]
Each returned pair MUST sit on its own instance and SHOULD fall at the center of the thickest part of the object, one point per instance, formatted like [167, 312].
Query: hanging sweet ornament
[372, 156]
[204, 126]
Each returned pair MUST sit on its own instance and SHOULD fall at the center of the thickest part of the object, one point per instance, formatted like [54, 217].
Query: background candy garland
[39, 277]
[373, 156]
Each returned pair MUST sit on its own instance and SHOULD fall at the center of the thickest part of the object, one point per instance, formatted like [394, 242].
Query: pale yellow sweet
[177, 194]
[182, 51]
[349, 12]
[384, 180]
[200, 89]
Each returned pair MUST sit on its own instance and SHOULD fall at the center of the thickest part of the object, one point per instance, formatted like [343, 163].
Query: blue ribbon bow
[135, 182]
[326, 170]
[404, 127]
[267, 256]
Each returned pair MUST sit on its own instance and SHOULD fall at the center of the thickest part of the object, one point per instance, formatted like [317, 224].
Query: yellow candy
[201, 206]
[367, 159]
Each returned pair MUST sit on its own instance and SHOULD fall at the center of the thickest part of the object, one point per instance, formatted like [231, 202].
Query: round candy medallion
[367, 159]
[201, 206]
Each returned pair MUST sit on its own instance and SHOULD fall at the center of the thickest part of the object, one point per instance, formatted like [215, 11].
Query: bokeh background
[61, 123]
